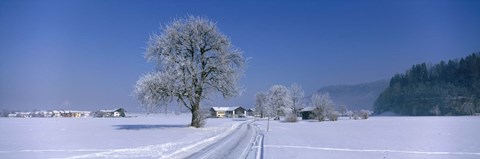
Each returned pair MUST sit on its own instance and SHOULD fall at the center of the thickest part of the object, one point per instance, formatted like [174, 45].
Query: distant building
[49, 114]
[41, 114]
[56, 114]
[66, 114]
[12, 115]
[23, 114]
[308, 113]
[78, 114]
[229, 112]
[250, 112]
[120, 112]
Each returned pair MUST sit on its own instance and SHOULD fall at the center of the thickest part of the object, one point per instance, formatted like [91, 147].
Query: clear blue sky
[87, 55]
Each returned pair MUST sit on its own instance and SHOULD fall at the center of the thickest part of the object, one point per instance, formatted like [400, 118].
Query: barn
[308, 113]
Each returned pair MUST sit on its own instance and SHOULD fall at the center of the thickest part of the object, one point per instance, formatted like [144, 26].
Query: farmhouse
[307, 113]
[229, 112]
[120, 112]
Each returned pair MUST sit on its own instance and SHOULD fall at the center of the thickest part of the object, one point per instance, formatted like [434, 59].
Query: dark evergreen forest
[446, 88]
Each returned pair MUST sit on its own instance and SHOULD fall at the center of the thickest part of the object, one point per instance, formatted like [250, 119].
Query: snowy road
[234, 141]
[238, 144]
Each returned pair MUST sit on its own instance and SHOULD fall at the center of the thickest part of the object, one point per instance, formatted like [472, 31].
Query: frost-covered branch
[194, 59]
[279, 101]
[323, 105]
[297, 94]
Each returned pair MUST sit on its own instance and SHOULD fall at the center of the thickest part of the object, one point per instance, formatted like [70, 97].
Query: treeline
[446, 88]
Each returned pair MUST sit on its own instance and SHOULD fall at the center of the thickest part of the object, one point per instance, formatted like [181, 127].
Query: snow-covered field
[153, 136]
[375, 138]
[168, 136]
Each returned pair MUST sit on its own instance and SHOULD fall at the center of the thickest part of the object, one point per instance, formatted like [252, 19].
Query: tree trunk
[194, 115]
[197, 117]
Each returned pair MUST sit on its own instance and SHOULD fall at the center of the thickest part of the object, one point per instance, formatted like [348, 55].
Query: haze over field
[87, 55]
[356, 97]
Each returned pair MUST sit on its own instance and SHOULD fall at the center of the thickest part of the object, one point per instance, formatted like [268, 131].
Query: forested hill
[447, 88]
[356, 97]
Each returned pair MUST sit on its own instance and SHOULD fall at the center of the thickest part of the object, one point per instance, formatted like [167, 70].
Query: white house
[12, 115]
[231, 112]
[120, 112]
[24, 114]
[57, 113]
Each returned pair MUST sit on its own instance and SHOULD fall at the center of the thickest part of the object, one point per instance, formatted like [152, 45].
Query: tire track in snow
[161, 150]
[258, 145]
[193, 147]
[236, 145]
[374, 150]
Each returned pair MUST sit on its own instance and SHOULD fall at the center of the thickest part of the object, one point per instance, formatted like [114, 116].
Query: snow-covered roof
[307, 109]
[109, 111]
[222, 109]
[76, 111]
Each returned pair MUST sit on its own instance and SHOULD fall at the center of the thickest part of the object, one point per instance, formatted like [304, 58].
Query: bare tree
[364, 114]
[343, 110]
[297, 94]
[356, 115]
[323, 105]
[436, 111]
[279, 100]
[194, 59]
[350, 114]
[333, 115]
[261, 106]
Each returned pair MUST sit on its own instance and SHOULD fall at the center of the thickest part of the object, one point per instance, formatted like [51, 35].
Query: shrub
[291, 117]
[333, 116]
[364, 114]
[356, 115]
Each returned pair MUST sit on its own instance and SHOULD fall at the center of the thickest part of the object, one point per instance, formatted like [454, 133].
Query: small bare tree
[291, 117]
[261, 106]
[343, 110]
[436, 111]
[364, 114]
[333, 115]
[297, 94]
[323, 105]
[356, 115]
[350, 114]
[194, 59]
[279, 101]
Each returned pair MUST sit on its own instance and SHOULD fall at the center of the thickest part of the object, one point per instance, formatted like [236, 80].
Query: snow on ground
[375, 138]
[152, 136]
[168, 136]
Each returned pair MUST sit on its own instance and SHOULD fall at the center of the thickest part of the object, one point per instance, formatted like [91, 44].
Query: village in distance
[305, 113]
[104, 113]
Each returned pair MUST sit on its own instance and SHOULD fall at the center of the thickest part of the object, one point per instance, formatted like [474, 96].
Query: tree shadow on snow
[146, 127]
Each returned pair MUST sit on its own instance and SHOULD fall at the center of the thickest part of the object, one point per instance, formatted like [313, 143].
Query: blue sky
[87, 55]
